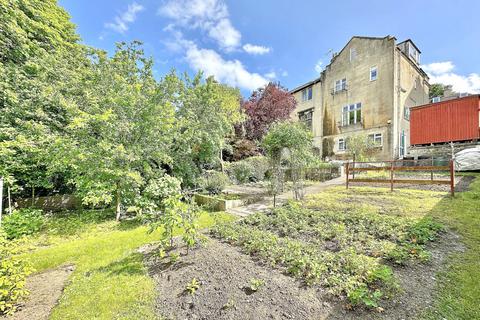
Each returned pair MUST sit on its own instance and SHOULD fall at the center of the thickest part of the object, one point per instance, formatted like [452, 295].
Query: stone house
[367, 88]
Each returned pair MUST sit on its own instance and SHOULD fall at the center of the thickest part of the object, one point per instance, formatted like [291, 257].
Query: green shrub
[249, 169]
[241, 171]
[23, 222]
[13, 274]
[214, 181]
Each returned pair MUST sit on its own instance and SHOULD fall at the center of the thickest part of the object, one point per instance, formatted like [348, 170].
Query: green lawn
[459, 286]
[110, 281]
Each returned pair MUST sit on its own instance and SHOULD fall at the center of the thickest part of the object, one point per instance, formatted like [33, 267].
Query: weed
[256, 284]
[192, 286]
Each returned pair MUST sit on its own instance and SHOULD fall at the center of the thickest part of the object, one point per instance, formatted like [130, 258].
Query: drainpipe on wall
[397, 108]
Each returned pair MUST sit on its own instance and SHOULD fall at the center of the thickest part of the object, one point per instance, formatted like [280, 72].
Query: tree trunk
[221, 161]
[9, 201]
[119, 202]
[33, 195]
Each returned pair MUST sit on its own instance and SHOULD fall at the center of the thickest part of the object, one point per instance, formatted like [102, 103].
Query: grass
[459, 285]
[110, 281]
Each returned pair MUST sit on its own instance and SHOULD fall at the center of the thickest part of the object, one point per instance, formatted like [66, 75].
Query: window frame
[342, 142]
[348, 110]
[353, 54]
[307, 94]
[341, 87]
[406, 113]
[374, 136]
[374, 68]
[306, 117]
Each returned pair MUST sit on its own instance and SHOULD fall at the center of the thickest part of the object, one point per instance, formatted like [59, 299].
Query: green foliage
[341, 248]
[213, 181]
[256, 284]
[23, 222]
[293, 142]
[249, 169]
[361, 146]
[13, 273]
[436, 90]
[205, 117]
[192, 286]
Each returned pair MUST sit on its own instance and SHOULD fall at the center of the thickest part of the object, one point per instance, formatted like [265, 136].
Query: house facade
[367, 89]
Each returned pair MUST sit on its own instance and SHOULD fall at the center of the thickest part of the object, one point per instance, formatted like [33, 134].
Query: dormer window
[413, 53]
[307, 94]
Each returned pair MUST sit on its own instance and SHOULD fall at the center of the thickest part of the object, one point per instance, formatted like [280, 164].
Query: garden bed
[223, 202]
[373, 256]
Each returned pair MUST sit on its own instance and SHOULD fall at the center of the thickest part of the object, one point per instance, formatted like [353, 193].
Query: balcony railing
[336, 90]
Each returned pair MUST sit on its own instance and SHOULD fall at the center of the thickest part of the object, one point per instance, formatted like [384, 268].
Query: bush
[214, 181]
[249, 169]
[241, 171]
[23, 222]
[13, 274]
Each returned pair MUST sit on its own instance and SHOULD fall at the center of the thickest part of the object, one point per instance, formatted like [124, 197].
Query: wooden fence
[392, 166]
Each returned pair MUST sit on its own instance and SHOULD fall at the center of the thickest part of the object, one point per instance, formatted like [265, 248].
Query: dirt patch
[417, 282]
[45, 291]
[224, 274]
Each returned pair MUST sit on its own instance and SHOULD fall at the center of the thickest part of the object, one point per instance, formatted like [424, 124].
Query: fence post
[431, 172]
[391, 176]
[452, 178]
[346, 173]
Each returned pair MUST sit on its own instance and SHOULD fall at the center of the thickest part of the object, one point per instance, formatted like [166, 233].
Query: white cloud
[254, 49]
[231, 72]
[442, 72]
[208, 15]
[319, 66]
[271, 75]
[225, 34]
[284, 73]
[439, 67]
[122, 21]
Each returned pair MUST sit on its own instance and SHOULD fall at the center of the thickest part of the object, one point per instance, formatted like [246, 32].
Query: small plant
[256, 284]
[229, 305]
[13, 275]
[23, 222]
[192, 286]
[363, 295]
[173, 257]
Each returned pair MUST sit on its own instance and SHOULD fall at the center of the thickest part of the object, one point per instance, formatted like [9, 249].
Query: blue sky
[245, 43]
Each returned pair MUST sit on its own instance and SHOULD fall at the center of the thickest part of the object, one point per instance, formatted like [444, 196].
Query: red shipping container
[446, 121]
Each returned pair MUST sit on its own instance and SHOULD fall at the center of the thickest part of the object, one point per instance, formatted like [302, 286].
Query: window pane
[359, 115]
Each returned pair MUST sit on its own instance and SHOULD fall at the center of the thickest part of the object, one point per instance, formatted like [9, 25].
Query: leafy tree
[436, 90]
[361, 146]
[264, 107]
[292, 143]
[39, 54]
[121, 129]
[206, 114]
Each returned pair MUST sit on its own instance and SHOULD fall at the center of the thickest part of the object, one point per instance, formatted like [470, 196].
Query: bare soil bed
[225, 274]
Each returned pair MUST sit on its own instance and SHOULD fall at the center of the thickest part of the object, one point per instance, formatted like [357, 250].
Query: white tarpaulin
[468, 159]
